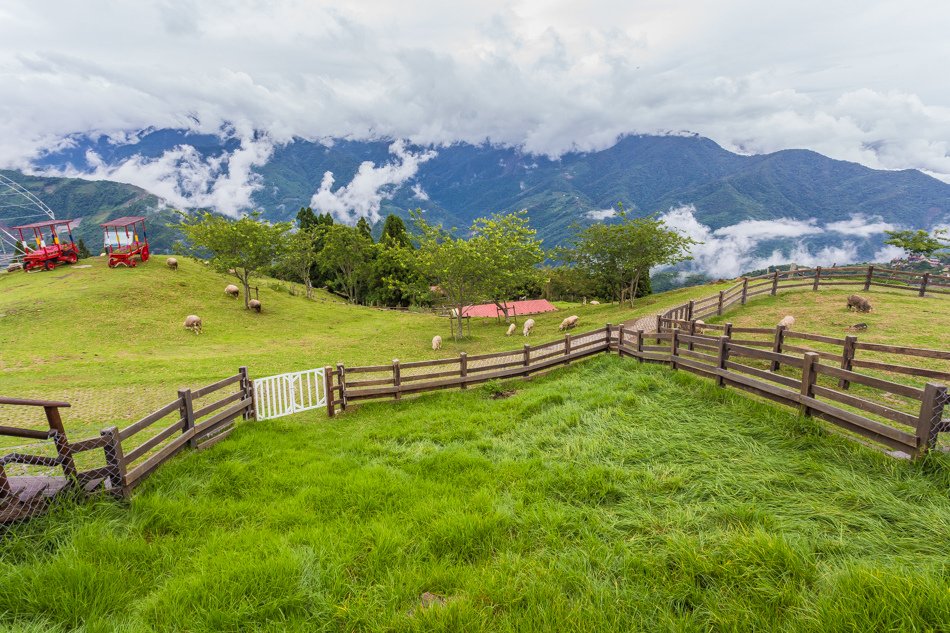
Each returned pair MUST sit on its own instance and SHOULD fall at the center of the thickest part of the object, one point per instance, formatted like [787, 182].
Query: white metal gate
[276, 396]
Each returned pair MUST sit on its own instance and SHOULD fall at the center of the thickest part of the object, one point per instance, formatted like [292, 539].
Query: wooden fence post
[341, 380]
[328, 389]
[187, 409]
[817, 278]
[931, 414]
[567, 345]
[722, 355]
[719, 307]
[659, 326]
[692, 332]
[607, 349]
[639, 346]
[689, 310]
[809, 376]
[247, 386]
[397, 379]
[777, 345]
[674, 347]
[727, 330]
[5, 489]
[527, 360]
[775, 282]
[62, 443]
[867, 280]
[745, 289]
[847, 356]
[923, 284]
[620, 340]
[463, 368]
[115, 460]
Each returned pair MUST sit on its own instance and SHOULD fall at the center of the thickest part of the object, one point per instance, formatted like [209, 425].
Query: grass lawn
[111, 342]
[610, 496]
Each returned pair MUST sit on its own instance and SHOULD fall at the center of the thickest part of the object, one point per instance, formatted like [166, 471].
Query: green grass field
[609, 496]
[111, 342]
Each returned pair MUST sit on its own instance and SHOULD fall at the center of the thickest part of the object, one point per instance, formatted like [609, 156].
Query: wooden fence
[860, 276]
[900, 416]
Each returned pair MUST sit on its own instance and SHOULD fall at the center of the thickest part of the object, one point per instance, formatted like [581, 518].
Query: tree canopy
[919, 242]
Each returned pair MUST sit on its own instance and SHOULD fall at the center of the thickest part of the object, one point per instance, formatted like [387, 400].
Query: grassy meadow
[111, 342]
[609, 496]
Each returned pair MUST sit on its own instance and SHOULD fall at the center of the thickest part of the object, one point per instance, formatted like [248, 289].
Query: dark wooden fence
[900, 416]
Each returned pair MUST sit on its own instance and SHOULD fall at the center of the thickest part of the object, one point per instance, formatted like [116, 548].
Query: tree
[83, 251]
[300, 256]
[240, 248]
[346, 255]
[364, 228]
[395, 279]
[918, 242]
[511, 256]
[394, 231]
[619, 256]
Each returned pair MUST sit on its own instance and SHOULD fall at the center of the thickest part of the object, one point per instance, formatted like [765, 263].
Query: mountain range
[460, 182]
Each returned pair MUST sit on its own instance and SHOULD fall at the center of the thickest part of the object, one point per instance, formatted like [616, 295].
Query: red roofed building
[535, 306]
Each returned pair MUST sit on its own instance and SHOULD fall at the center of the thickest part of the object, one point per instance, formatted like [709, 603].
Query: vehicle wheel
[145, 253]
[50, 264]
[71, 258]
[112, 263]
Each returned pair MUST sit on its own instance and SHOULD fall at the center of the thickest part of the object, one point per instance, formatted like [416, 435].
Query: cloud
[547, 76]
[732, 250]
[602, 214]
[183, 178]
[419, 193]
[364, 194]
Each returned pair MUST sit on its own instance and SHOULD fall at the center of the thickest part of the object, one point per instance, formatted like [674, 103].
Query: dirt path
[646, 323]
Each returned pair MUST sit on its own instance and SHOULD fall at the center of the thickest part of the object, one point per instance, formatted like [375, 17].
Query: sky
[860, 81]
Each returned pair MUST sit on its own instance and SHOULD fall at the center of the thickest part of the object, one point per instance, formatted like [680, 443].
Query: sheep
[787, 322]
[172, 263]
[568, 323]
[528, 326]
[15, 266]
[255, 305]
[699, 326]
[859, 303]
[232, 291]
[436, 343]
[193, 323]
[858, 327]
[511, 330]
[595, 302]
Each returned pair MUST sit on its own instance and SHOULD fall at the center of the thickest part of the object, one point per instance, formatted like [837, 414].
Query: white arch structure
[17, 206]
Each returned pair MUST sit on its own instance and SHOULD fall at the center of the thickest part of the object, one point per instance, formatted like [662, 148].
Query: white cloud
[371, 184]
[852, 80]
[731, 250]
[602, 214]
[419, 193]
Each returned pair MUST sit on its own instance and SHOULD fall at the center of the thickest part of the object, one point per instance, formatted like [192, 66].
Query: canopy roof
[44, 224]
[534, 306]
[126, 221]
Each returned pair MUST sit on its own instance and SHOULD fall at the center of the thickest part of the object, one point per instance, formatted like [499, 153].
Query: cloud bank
[732, 250]
[855, 81]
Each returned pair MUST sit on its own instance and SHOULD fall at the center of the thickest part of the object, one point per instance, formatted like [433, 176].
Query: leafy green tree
[619, 256]
[241, 248]
[918, 242]
[347, 256]
[394, 231]
[83, 251]
[300, 256]
[396, 279]
[364, 228]
[511, 255]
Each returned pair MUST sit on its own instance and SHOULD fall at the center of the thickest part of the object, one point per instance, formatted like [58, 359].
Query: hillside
[646, 173]
[611, 496]
[111, 342]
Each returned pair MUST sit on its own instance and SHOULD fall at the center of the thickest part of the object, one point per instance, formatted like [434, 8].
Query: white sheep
[436, 342]
[595, 302]
[511, 330]
[699, 326]
[787, 322]
[172, 263]
[528, 326]
[232, 291]
[254, 304]
[15, 266]
[193, 323]
[568, 323]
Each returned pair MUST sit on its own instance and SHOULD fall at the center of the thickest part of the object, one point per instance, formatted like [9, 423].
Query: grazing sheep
[528, 326]
[699, 326]
[511, 330]
[568, 323]
[193, 323]
[595, 302]
[15, 266]
[232, 291]
[859, 303]
[858, 327]
[787, 322]
[255, 305]
[172, 263]
[436, 342]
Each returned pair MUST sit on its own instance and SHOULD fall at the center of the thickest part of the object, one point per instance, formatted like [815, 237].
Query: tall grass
[610, 496]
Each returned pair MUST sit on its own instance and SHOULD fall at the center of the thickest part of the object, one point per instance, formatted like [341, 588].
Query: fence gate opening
[284, 394]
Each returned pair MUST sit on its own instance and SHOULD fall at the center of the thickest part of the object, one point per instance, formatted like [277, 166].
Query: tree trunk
[633, 287]
[246, 282]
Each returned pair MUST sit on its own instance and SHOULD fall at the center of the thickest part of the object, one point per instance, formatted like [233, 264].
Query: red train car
[123, 243]
[47, 254]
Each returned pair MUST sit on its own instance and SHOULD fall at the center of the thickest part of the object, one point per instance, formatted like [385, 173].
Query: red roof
[535, 306]
[44, 224]
[126, 221]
